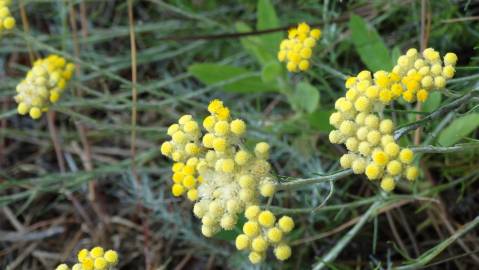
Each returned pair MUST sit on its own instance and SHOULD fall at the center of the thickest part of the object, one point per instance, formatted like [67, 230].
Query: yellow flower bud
[266, 219]
[286, 224]
[282, 252]
[388, 184]
[242, 242]
[259, 244]
[406, 156]
[394, 167]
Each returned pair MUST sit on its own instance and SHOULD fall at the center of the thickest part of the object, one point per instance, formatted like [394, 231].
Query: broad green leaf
[271, 71]
[254, 45]
[369, 45]
[235, 79]
[319, 120]
[306, 97]
[458, 129]
[268, 19]
[432, 102]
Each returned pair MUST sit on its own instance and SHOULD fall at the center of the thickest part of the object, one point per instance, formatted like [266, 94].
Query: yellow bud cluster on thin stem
[297, 49]
[221, 176]
[262, 231]
[95, 259]
[360, 122]
[43, 85]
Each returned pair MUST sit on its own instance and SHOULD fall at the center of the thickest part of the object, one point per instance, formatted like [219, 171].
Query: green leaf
[235, 79]
[306, 97]
[369, 45]
[319, 120]
[268, 19]
[271, 71]
[395, 53]
[254, 45]
[432, 102]
[459, 129]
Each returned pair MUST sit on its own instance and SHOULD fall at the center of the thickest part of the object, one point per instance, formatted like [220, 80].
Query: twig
[314, 180]
[341, 244]
[433, 252]
[30, 236]
[437, 113]
[440, 149]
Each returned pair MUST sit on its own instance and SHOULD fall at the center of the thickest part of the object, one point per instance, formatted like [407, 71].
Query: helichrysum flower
[297, 49]
[7, 22]
[215, 169]
[359, 119]
[261, 231]
[43, 85]
[95, 259]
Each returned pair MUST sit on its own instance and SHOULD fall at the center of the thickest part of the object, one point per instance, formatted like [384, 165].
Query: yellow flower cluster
[94, 259]
[359, 119]
[7, 21]
[215, 169]
[422, 73]
[43, 85]
[261, 231]
[297, 49]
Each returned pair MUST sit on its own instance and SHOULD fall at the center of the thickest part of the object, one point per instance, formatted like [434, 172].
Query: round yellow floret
[222, 128]
[100, 263]
[184, 119]
[412, 173]
[450, 58]
[259, 244]
[261, 149]
[219, 144]
[267, 189]
[255, 257]
[386, 126]
[192, 149]
[177, 190]
[242, 242]
[192, 195]
[380, 158]
[82, 255]
[111, 257]
[346, 161]
[422, 95]
[394, 167]
[303, 65]
[406, 156]
[246, 181]
[191, 127]
[208, 140]
[388, 184]
[391, 149]
[215, 105]
[227, 222]
[22, 108]
[228, 165]
[282, 252]
[358, 166]
[238, 127]
[242, 157]
[9, 23]
[62, 267]
[362, 104]
[251, 228]
[286, 224]
[266, 219]
[35, 113]
[275, 235]
[88, 264]
[373, 171]
[97, 252]
[209, 123]
[179, 137]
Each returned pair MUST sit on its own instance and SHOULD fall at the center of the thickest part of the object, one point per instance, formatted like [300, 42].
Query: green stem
[433, 252]
[440, 149]
[336, 250]
[314, 180]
